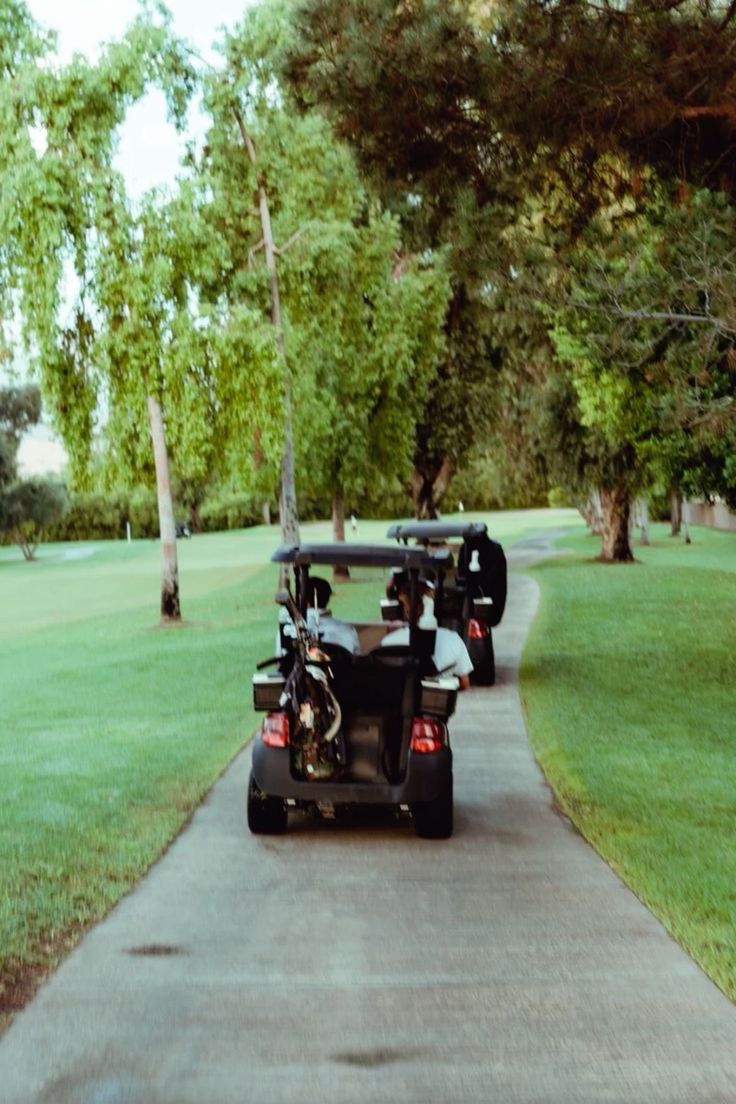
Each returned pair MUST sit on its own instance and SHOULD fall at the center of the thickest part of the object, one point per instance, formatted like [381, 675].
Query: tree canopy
[559, 131]
[414, 233]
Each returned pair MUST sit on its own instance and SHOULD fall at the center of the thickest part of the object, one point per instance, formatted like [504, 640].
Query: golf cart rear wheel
[433, 819]
[266, 815]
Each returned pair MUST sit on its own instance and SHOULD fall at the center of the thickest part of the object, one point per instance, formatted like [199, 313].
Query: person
[450, 654]
[329, 629]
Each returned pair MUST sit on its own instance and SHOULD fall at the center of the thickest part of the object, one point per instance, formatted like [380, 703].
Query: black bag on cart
[491, 580]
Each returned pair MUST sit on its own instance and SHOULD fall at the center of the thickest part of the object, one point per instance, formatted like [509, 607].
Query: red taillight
[477, 630]
[427, 736]
[275, 730]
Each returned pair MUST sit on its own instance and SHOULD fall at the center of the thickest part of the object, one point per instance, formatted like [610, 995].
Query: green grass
[629, 685]
[113, 729]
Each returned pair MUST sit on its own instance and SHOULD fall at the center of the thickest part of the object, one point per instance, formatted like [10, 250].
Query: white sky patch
[40, 453]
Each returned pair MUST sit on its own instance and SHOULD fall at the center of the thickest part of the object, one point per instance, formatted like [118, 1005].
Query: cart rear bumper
[424, 778]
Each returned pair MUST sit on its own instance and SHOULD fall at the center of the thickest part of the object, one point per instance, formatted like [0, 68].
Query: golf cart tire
[484, 672]
[267, 816]
[433, 819]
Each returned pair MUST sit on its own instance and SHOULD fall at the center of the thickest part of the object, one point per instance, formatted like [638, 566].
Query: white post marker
[128, 531]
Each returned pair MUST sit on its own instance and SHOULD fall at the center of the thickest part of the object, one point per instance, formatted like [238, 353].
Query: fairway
[114, 729]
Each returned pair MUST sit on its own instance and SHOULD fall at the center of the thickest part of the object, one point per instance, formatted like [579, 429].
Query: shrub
[28, 508]
[92, 516]
[143, 513]
[558, 497]
[230, 511]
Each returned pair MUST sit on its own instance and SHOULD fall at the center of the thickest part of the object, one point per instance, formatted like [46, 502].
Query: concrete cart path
[361, 964]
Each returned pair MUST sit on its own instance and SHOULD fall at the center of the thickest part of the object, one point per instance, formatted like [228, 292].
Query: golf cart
[345, 728]
[470, 600]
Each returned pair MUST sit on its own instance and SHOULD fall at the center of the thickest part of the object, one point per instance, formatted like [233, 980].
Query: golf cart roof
[427, 531]
[364, 555]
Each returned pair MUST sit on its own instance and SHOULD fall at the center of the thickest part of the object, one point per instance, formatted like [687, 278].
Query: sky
[149, 149]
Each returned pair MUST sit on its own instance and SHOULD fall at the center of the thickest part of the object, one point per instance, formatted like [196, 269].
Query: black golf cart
[471, 599]
[361, 727]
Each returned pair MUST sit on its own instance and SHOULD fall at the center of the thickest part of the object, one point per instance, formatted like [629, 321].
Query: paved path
[357, 965]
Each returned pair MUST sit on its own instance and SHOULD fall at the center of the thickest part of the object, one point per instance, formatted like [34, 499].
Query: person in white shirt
[329, 629]
[450, 654]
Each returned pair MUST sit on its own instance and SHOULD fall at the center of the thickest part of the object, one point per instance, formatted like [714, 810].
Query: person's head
[425, 588]
[319, 592]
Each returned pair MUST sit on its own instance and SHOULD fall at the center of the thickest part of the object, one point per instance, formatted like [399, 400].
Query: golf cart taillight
[477, 630]
[275, 730]
[427, 736]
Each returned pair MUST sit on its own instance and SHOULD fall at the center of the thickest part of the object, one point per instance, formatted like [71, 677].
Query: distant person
[450, 654]
[329, 629]
[353, 523]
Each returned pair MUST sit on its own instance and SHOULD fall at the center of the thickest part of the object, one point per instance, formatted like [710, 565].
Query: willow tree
[105, 290]
[368, 322]
[360, 323]
[239, 96]
[200, 378]
[58, 140]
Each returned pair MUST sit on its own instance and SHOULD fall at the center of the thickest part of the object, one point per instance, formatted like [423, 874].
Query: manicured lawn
[629, 685]
[113, 729]
[112, 732]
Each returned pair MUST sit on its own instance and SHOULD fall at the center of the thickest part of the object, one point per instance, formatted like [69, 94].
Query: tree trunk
[642, 511]
[594, 514]
[28, 548]
[170, 607]
[427, 485]
[339, 571]
[686, 519]
[287, 493]
[266, 513]
[195, 518]
[288, 515]
[616, 507]
[675, 511]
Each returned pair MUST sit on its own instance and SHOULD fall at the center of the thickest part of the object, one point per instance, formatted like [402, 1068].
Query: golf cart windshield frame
[426, 531]
[414, 561]
[364, 555]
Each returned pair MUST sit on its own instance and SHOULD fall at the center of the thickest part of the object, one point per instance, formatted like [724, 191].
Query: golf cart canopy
[427, 531]
[364, 555]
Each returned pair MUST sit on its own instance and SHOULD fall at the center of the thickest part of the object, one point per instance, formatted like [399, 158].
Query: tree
[201, 378]
[237, 96]
[357, 339]
[55, 206]
[370, 326]
[25, 507]
[407, 86]
[648, 339]
[606, 90]
[20, 408]
[575, 102]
